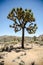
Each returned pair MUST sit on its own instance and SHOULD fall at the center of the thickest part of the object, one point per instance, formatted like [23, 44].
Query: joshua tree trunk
[23, 38]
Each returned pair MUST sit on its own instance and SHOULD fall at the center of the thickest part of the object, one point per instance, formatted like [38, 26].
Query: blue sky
[6, 6]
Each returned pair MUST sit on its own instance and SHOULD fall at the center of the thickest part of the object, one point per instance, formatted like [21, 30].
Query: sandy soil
[31, 55]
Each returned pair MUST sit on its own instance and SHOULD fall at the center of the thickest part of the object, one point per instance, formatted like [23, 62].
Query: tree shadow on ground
[19, 49]
[16, 49]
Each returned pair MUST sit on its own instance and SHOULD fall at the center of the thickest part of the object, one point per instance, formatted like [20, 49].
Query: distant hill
[6, 38]
[41, 37]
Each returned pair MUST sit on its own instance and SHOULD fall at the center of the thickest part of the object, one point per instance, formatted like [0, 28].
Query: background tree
[23, 19]
[35, 38]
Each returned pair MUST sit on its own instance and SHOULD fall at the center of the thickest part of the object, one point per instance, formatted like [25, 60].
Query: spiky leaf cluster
[31, 29]
[20, 18]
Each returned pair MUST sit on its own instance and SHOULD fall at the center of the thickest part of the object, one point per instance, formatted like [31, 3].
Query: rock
[13, 60]
[22, 62]
[18, 57]
[25, 53]
[17, 50]
[21, 54]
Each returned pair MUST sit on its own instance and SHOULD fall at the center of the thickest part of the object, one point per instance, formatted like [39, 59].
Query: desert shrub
[42, 39]
[31, 41]
[15, 39]
[1, 57]
[11, 47]
[12, 42]
[41, 43]
[2, 63]
[5, 40]
[3, 49]
[16, 42]
[37, 42]
[7, 49]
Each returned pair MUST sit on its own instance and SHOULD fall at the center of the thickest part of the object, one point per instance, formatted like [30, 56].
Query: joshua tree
[23, 19]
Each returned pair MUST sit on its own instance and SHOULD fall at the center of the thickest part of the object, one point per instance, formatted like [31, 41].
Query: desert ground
[32, 54]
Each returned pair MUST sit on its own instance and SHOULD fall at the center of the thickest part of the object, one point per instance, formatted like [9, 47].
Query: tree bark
[23, 38]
